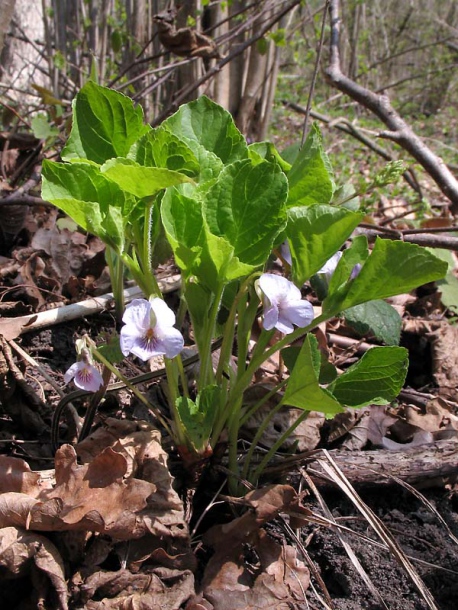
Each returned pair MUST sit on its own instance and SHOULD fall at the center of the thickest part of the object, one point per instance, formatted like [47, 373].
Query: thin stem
[276, 446]
[252, 410]
[173, 395]
[206, 352]
[263, 426]
[147, 252]
[230, 326]
[131, 387]
[116, 267]
[258, 358]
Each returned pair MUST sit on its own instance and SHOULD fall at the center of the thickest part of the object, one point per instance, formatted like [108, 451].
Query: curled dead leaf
[21, 552]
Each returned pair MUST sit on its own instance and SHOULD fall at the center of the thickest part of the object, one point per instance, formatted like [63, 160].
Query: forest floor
[115, 523]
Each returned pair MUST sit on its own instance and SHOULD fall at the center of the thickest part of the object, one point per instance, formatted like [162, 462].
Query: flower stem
[131, 387]
[276, 446]
[116, 268]
[206, 368]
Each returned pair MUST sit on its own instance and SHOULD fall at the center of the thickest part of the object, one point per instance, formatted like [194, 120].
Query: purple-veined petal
[144, 349]
[85, 376]
[140, 338]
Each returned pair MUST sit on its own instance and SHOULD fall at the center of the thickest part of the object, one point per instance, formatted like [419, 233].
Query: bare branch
[398, 130]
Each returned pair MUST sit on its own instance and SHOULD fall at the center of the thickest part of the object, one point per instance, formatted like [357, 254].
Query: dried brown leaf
[93, 496]
[139, 444]
[18, 547]
[379, 423]
[435, 416]
[267, 575]
[159, 589]
[16, 476]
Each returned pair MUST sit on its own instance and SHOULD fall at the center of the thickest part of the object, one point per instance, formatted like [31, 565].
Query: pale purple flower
[149, 331]
[330, 265]
[355, 271]
[283, 304]
[286, 253]
[85, 376]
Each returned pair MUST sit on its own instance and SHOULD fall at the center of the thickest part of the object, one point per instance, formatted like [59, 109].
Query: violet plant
[193, 187]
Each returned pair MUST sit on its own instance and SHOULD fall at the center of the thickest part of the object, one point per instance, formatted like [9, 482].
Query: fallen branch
[398, 130]
[423, 466]
[11, 328]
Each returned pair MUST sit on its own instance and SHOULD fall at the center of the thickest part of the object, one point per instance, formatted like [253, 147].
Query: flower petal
[144, 350]
[170, 342]
[128, 336]
[286, 252]
[270, 318]
[164, 315]
[299, 313]
[137, 315]
[89, 380]
[85, 376]
[330, 265]
[276, 287]
[71, 372]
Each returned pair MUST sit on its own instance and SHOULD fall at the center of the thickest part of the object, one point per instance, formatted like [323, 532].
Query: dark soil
[418, 532]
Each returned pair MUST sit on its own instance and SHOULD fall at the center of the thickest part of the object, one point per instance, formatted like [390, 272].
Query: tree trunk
[6, 14]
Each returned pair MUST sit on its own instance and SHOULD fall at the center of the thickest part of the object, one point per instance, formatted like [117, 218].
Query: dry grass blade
[334, 472]
[427, 503]
[346, 545]
[327, 602]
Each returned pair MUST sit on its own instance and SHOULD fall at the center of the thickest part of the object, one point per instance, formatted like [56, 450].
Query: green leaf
[210, 258]
[218, 264]
[268, 152]
[375, 379]
[105, 125]
[91, 199]
[183, 224]
[161, 148]
[356, 254]
[42, 128]
[139, 180]
[448, 286]
[246, 207]
[378, 318]
[198, 417]
[311, 177]
[204, 123]
[303, 390]
[111, 349]
[325, 370]
[394, 267]
[314, 234]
